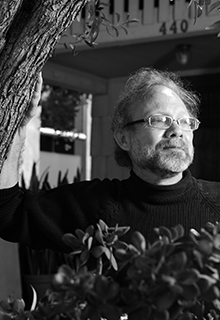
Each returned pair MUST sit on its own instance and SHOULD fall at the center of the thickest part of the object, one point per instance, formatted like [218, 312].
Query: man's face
[163, 152]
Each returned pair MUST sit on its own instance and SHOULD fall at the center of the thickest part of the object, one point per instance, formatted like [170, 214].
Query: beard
[166, 160]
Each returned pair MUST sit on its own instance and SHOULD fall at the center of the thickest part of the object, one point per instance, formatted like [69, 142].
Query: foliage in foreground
[175, 277]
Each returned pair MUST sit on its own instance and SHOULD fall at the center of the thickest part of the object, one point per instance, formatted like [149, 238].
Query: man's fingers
[37, 91]
[34, 100]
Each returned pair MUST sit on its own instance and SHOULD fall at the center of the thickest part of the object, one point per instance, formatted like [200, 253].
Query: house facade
[167, 36]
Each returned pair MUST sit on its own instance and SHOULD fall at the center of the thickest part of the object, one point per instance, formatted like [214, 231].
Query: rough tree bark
[29, 32]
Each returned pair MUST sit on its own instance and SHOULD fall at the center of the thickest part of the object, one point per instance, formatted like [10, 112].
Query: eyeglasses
[160, 121]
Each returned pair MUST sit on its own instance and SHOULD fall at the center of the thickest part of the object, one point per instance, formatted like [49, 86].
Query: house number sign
[174, 27]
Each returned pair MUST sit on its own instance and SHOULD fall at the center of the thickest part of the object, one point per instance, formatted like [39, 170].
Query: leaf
[94, 35]
[204, 284]
[139, 241]
[177, 232]
[164, 231]
[97, 251]
[164, 315]
[80, 234]
[121, 231]
[212, 6]
[109, 30]
[199, 11]
[211, 294]
[177, 289]
[113, 262]
[190, 292]
[118, 17]
[190, 3]
[113, 291]
[107, 252]
[142, 313]
[90, 44]
[85, 238]
[205, 246]
[195, 8]
[90, 230]
[116, 30]
[71, 240]
[120, 245]
[125, 29]
[216, 304]
[99, 236]
[132, 21]
[19, 305]
[165, 300]
[65, 269]
[101, 286]
[215, 258]
[130, 298]
[74, 252]
[143, 264]
[206, 234]
[155, 246]
[34, 300]
[214, 26]
[217, 241]
[124, 255]
[90, 312]
[103, 225]
[104, 4]
[84, 256]
[186, 316]
[177, 262]
[34, 182]
[111, 312]
[199, 257]
[187, 277]
[105, 19]
[90, 240]
[5, 306]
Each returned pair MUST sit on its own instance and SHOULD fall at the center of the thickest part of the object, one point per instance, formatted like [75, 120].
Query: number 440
[181, 26]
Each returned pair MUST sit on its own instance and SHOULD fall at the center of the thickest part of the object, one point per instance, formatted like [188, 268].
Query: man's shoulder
[211, 188]
[100, 186]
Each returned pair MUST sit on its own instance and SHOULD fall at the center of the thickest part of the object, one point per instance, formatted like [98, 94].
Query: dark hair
[138, 88]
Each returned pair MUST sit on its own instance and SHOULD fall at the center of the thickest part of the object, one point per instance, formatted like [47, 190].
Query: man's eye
[185, 121]
[158, 119]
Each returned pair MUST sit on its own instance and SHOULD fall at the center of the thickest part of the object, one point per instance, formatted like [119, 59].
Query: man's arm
[11, 169]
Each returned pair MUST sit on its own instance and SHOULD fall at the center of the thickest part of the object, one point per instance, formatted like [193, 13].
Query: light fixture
[183, 53]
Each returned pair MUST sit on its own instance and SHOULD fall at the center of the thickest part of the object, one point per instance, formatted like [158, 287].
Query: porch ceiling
[121, 60]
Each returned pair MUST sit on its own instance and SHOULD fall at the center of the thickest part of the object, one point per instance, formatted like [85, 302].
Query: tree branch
[30, 40]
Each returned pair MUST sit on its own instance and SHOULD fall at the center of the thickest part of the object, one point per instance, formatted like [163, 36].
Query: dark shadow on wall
[207, 138]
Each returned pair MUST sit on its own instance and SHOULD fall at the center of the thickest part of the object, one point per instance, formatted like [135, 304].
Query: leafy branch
[200, 5]
[96, 243]
[94, 20]
[177, 277]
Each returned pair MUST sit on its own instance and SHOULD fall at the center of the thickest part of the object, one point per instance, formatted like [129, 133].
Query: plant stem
[99, 265]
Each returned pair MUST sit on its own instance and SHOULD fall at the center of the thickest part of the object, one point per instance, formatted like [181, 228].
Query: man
[153, 127]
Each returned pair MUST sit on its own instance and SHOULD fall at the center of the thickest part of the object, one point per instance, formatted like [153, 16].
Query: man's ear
[122, 138]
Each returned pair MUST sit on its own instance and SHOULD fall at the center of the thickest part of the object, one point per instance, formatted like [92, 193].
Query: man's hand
[10, 173]
[34, 101]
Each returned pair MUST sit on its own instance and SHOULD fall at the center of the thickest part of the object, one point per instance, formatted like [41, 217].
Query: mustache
[172, 143]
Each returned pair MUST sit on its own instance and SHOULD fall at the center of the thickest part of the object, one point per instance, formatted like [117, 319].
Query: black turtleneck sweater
[40, 220]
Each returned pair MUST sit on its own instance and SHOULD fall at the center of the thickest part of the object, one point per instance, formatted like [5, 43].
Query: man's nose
[174, 131]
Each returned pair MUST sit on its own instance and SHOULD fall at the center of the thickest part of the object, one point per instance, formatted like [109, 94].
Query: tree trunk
[29, 32]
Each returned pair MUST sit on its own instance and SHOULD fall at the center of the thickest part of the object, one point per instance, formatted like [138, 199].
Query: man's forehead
[167, 91]
[162, 89]
[163, 99]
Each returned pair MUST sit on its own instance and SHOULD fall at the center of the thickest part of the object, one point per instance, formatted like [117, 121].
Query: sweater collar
[142, 188]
